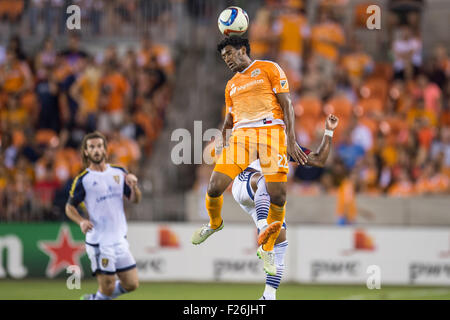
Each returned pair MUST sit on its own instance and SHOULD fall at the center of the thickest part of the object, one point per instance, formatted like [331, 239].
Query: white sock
[269, 293]
[262, 203]
[272, 282]
[101, 296]
[118, 290]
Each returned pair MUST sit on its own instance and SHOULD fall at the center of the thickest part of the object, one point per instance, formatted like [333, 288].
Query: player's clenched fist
[332, 122]
[131, 180]
[86, 225]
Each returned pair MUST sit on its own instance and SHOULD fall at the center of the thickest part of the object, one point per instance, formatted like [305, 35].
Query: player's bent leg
[128, 281]
[262, 206]
[262, 200]
[277, 192]
[214, 199]
[218, 183]
[273, 281]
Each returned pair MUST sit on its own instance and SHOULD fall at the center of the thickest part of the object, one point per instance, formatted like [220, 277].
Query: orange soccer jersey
[251, 98]
[250, 94]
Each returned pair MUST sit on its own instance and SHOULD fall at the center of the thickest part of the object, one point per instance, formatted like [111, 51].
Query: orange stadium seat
[340, 106]
[383, 70]
[370, 106]
[45, 136]
[375, 87]
[309, 105]
[308, 110]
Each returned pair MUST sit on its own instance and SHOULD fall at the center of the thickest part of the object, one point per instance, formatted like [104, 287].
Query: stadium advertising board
[343, 255]
[40, 250]
[164, 252]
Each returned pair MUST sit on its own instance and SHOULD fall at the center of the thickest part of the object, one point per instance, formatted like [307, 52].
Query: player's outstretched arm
[293, 148]
[73, 215]
[136, 194]
[319, 157]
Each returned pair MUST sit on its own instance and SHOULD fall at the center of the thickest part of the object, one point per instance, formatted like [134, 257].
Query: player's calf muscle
[130, 286]
[277, 192]
[278, 200]
[106, 284]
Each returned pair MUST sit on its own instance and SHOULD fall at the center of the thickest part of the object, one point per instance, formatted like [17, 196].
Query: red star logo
[63, 252]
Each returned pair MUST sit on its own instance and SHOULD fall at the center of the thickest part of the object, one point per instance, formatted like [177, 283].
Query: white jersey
[102, 193]
[255, 165]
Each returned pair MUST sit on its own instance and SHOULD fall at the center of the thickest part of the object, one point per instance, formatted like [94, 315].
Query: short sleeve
[277, 78]
[77, 192]
[126, 190]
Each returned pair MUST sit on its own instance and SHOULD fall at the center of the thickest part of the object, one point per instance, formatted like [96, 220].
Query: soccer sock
[276, 213]
[273, 282]
[118, 290]
[101, 296]
[214, 207]
[262, 203]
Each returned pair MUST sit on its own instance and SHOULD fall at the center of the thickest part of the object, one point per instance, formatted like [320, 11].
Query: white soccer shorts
[244, 195]
[110, 259]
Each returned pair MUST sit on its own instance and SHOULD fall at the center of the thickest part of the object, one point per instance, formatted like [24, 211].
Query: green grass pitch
[56, 289]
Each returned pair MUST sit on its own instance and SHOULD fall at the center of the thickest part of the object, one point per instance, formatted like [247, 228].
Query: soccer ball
[233, 21]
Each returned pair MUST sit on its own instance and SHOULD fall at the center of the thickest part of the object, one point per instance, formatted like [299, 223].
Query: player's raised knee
[214, 189]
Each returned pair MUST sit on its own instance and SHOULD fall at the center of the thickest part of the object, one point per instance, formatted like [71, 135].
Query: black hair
[235, 42]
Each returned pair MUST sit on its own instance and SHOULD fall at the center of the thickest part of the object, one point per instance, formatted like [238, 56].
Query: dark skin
[315, 159]
[237, 60]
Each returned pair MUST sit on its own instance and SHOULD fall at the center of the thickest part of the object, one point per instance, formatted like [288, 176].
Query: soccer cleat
[268, 258]
[270, 229]
[86, 296]
[203, 233]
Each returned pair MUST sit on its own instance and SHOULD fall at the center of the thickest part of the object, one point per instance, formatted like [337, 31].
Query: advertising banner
[164, 252]
[345, 255]
[41, 250]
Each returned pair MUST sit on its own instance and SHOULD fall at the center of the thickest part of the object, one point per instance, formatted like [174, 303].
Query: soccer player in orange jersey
[261, 116]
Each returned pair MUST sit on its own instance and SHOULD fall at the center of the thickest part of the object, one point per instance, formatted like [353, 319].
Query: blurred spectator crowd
[98, 17]
[50, 100]
[393, 136]
[394, 132]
